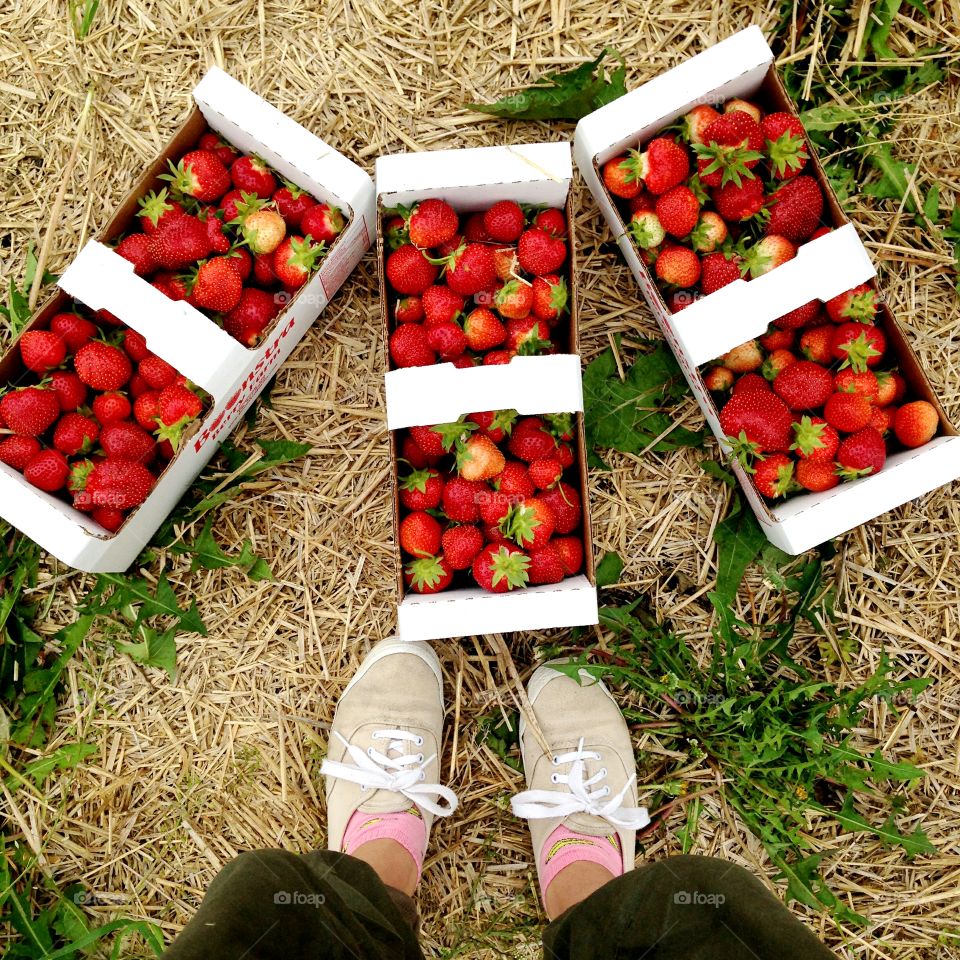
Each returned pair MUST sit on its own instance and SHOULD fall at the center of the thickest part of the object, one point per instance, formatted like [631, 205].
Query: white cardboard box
[470, 180]
[743, 66]
[233, 374]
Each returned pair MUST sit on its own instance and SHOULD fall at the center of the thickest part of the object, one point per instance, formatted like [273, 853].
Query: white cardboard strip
[470, 610]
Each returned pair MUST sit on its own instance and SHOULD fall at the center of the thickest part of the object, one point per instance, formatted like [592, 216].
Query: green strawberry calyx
[154, 205]
[417, 481]
[808, 436]
[744, 451]
[859, 352]
[507, 565]
[425, 572]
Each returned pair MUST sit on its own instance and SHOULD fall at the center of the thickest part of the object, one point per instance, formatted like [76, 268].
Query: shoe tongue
[386, 801]
[588, 824]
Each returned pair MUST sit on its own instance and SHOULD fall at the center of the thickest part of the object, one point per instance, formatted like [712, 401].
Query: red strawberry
[74, 329]
[170, 285]
[564, 501]
[751, 383]
[254, 313]
[514, 300]
[540, 253]
[409, 271]
[409, 346]
[847, 412]
[717, 270]
[551, 221]
[119, 484]
[505, 262]
[678, 266]
[863, 382]
[696, 122]
[531, 441]
[462, 499]
[292, 203]
[437, 439]
[242, 262]
[412, 453]
[108, 518]
[217, 286]
[470, 269]
[252, 175]
[504, 221]
[718, 379]
[180, 242]
[857, 303]
[48, 470]
[428, 574]
[135, 247]
[776, 363]
[232, 202]
[295, 259]
[528, 337]
[858, 345]
[678, 210]
[420, 534]
[500, 567]
[814, 439]
[786, 144]
[226, 153]
[177, 407]
[549, 297]
[110, 407]
[731, 149]
[42, 350]
[494, 506]
[441, 305]
[138, 386]
[447, 340]
[75, 434]
[816, 475]
[483, 330]
[795, 209]
[102, 366]
[891, 387]
[545, 473]
[460, 545]
[17, 451]
[199, 174]
[861, 454]
[157, 209]
[546, 564]
[738, 203]
[495, 424]
[815, 344]
[408, 310]
[709, 233]
[146, 410]
[767, 254]
[756, 421]
[663, 164]
[421, 489]
[571, 554]
[801, 316]
[773, 476]
[881, 419]
[530, 523]
[431, 223]
[127, 441]
[479, 458]
[777, 339]
[156, 372]
[803, 385]
[916, 423]
[621, 175]
[135, 345]
[497, 357]
[514, 483]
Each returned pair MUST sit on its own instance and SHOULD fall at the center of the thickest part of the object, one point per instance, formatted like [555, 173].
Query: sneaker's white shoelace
[578, 797]
[393, 770]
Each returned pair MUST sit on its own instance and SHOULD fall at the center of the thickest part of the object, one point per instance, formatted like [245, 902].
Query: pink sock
[564, 847]
[406, 827]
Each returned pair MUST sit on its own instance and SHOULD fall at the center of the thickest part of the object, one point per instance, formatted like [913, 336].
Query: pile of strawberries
[487, 496]
[230, 237]
[100, 417]
[721, 197]
[483, 291]
[817, 400]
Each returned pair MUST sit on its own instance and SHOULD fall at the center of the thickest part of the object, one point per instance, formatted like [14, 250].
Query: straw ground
[225, 758]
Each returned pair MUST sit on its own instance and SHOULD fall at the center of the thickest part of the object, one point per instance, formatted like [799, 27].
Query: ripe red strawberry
[916, 423]
[411, 452]
[696, 122]
[421, 489]
[48, 470]
[500, 567]
[861, 454]
[663, 165]
[717, 270]
[135, 247]
[571, 554]
[549, 297]
[863, 382]
[157, 209]
[773, 476]
[785, 143]
[179, 242]
[545, 473]
[795, 209]
[199, 174]
[551, 221]
[74, 329]
[762, 418]
[531, 441]
[110, 407]
[138, 386]
[641, 202]
[736, 203]
[815, 344]
[242, 262]
[428, 574]
[409, 271]
[108, 518]
[295, 259]
[460, 545]
[494, 506]
[435, 440]
[420, 534]
[495, 424]
[156, 372]
[678, 266]
[462, 499]
[847, 412]
[75, 433]
[777, 339]
[504, 221]
[177, 407]
[119, 484]
[530, 523]
[479, 458]
[263, 271]
[858, 345]
[891, 387]
[528, 337]
[497, 357]
[709, 233]
[776, 363]
[217, 286]
[816, 475]
[801, 316]
[514, 300]
[803, 385]
[42, 350]
[252, 175]
[431, 223]
[146, 410]
[751, 383]
[17, 451]
[135, 345]
[678, 210]
[732, 147]
[718, 379]
[514, 483]
[483, 330]
[170, 285]
[546, 564]
[226, 153]
[408, 310]
[409, 346]
[858, 303]
[814, 439]
[252, 315]
[127, 441]
[102, 366]
[881, 419]
[621, 175]
[324, 224]
[470, 269]
[292, 203]
[447, 340]
[440, 305]
[232, 202]
[540, 253]
[474, 231]
[564, 501]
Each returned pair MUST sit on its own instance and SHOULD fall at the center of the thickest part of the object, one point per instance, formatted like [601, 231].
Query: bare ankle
[391, 862]
[574, 884]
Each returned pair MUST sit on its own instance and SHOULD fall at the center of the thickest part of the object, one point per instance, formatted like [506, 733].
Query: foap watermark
[298, 898]
[99, 898]
[697, 898]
